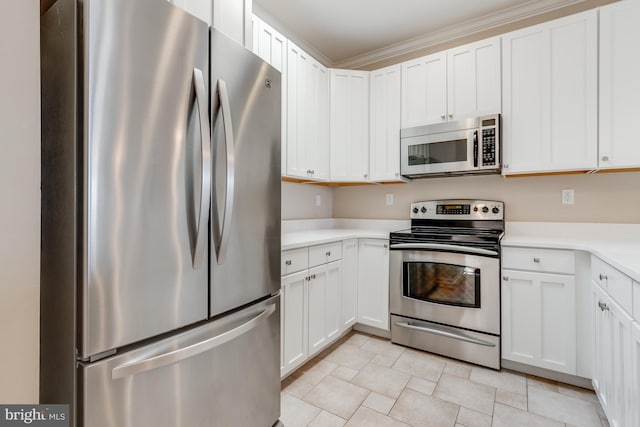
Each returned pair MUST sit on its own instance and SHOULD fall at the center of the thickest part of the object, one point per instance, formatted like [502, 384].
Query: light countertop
[616, 244]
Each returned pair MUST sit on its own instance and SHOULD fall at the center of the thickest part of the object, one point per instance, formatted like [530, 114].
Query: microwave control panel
[490, 141]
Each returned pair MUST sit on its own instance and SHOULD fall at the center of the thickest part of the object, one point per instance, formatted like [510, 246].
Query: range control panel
[458, 209]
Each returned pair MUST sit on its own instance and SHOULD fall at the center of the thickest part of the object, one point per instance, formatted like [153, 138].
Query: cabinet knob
[450, 115]
[505, 278]
[385, 246]
[397, 174]
[328, 253]
[288, 262]
[603, 306]
[605, 158]
[506, 166]
[442, 116]
[536, 259]
[603, 276]
[366, 175]
[313, 276]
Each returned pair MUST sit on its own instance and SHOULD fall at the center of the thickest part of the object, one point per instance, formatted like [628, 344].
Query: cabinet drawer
[294, 260]
[636, 301]
[322, 254]
[541, 260]
[616, 284]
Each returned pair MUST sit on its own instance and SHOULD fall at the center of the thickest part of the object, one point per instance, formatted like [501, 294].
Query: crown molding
[464, 29]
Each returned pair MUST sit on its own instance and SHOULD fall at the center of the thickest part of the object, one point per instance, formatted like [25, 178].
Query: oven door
[457, 289]
[449, 152]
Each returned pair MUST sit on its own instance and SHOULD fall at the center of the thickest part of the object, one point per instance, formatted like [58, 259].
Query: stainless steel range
[445, 280]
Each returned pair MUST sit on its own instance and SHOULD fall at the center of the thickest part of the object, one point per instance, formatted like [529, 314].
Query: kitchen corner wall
[19, 200]
[603, 197]
[299, 201]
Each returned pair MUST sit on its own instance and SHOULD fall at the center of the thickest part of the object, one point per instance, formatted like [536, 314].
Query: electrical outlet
[389, 199]
[567, 196]
[318, 200]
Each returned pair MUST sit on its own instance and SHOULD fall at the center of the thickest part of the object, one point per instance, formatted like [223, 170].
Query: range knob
[423, 210]
[415, 210]
[485, 209]
[475, 209]
[495, 210]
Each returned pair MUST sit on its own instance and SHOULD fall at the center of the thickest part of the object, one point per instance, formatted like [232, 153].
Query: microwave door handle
[475, 149]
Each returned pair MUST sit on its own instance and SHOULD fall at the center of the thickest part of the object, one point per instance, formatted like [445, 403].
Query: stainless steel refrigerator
[160, 255]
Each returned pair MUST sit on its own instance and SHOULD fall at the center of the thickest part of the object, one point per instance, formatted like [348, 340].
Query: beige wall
[299, 201]
[605, 197]
[19, 200]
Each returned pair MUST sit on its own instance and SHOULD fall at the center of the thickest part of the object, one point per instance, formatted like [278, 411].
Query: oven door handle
[445, 332]
[422, 246]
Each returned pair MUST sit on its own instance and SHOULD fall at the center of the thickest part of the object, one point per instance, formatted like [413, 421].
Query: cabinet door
[622, 399]
[349, 123]
[232, 17]
[473, 79]
[384, 124]
[318, 121]
[635, 370]
[550, 96]
[538, 320]
[602, 346]
[424, 90]
[297, 85]
[349, 283]
[272, 46]
[294, 307]
[373, 283]
[324, 313]
[619, 84]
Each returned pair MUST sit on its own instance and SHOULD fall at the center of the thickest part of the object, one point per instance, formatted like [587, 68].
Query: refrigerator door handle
[223, 244]
[175, 356]
[205, 171]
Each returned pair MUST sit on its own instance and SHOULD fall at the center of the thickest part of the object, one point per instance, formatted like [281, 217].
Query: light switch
[389, 199]
[567, 196]
[318, 200]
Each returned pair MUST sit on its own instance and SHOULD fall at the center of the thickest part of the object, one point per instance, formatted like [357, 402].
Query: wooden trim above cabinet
[336, 183]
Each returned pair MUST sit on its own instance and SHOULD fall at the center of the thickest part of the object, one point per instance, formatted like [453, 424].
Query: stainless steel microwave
[470, 146]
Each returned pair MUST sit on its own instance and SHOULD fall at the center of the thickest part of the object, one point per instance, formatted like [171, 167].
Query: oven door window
[440, 283]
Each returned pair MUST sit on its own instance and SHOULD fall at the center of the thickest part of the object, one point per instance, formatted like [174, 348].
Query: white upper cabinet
[232, 17]
[269, 44]
[349, 124]
[451, 85]
[424, 90]
[307, 116]
[473, 79]
[619, 85]
[384, 124]
[550, 96]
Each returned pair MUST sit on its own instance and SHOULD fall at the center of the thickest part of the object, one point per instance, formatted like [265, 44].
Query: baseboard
[548, 374]
[372, 331]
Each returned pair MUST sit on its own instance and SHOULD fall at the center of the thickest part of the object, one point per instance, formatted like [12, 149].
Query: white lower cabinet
[311, 302]
[373, 283]
[349, 283]
[616, 346]
[294, 319]
[539, 320]
[324, 305]
[635, 371]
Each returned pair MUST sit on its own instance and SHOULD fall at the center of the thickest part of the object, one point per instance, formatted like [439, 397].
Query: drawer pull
[313, 276]
[328, 253]
[288, 262]
[603, 276]
[536, 259]
[603, 306]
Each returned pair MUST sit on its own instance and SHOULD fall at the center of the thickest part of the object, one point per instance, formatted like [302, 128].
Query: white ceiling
[346, 29]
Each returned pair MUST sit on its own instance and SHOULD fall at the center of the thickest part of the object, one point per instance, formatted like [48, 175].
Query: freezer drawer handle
[223, 242]
[445, 333]
[175, 356]
[205, 170]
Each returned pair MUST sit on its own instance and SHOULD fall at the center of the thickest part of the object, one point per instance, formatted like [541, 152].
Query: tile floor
[366, 381]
